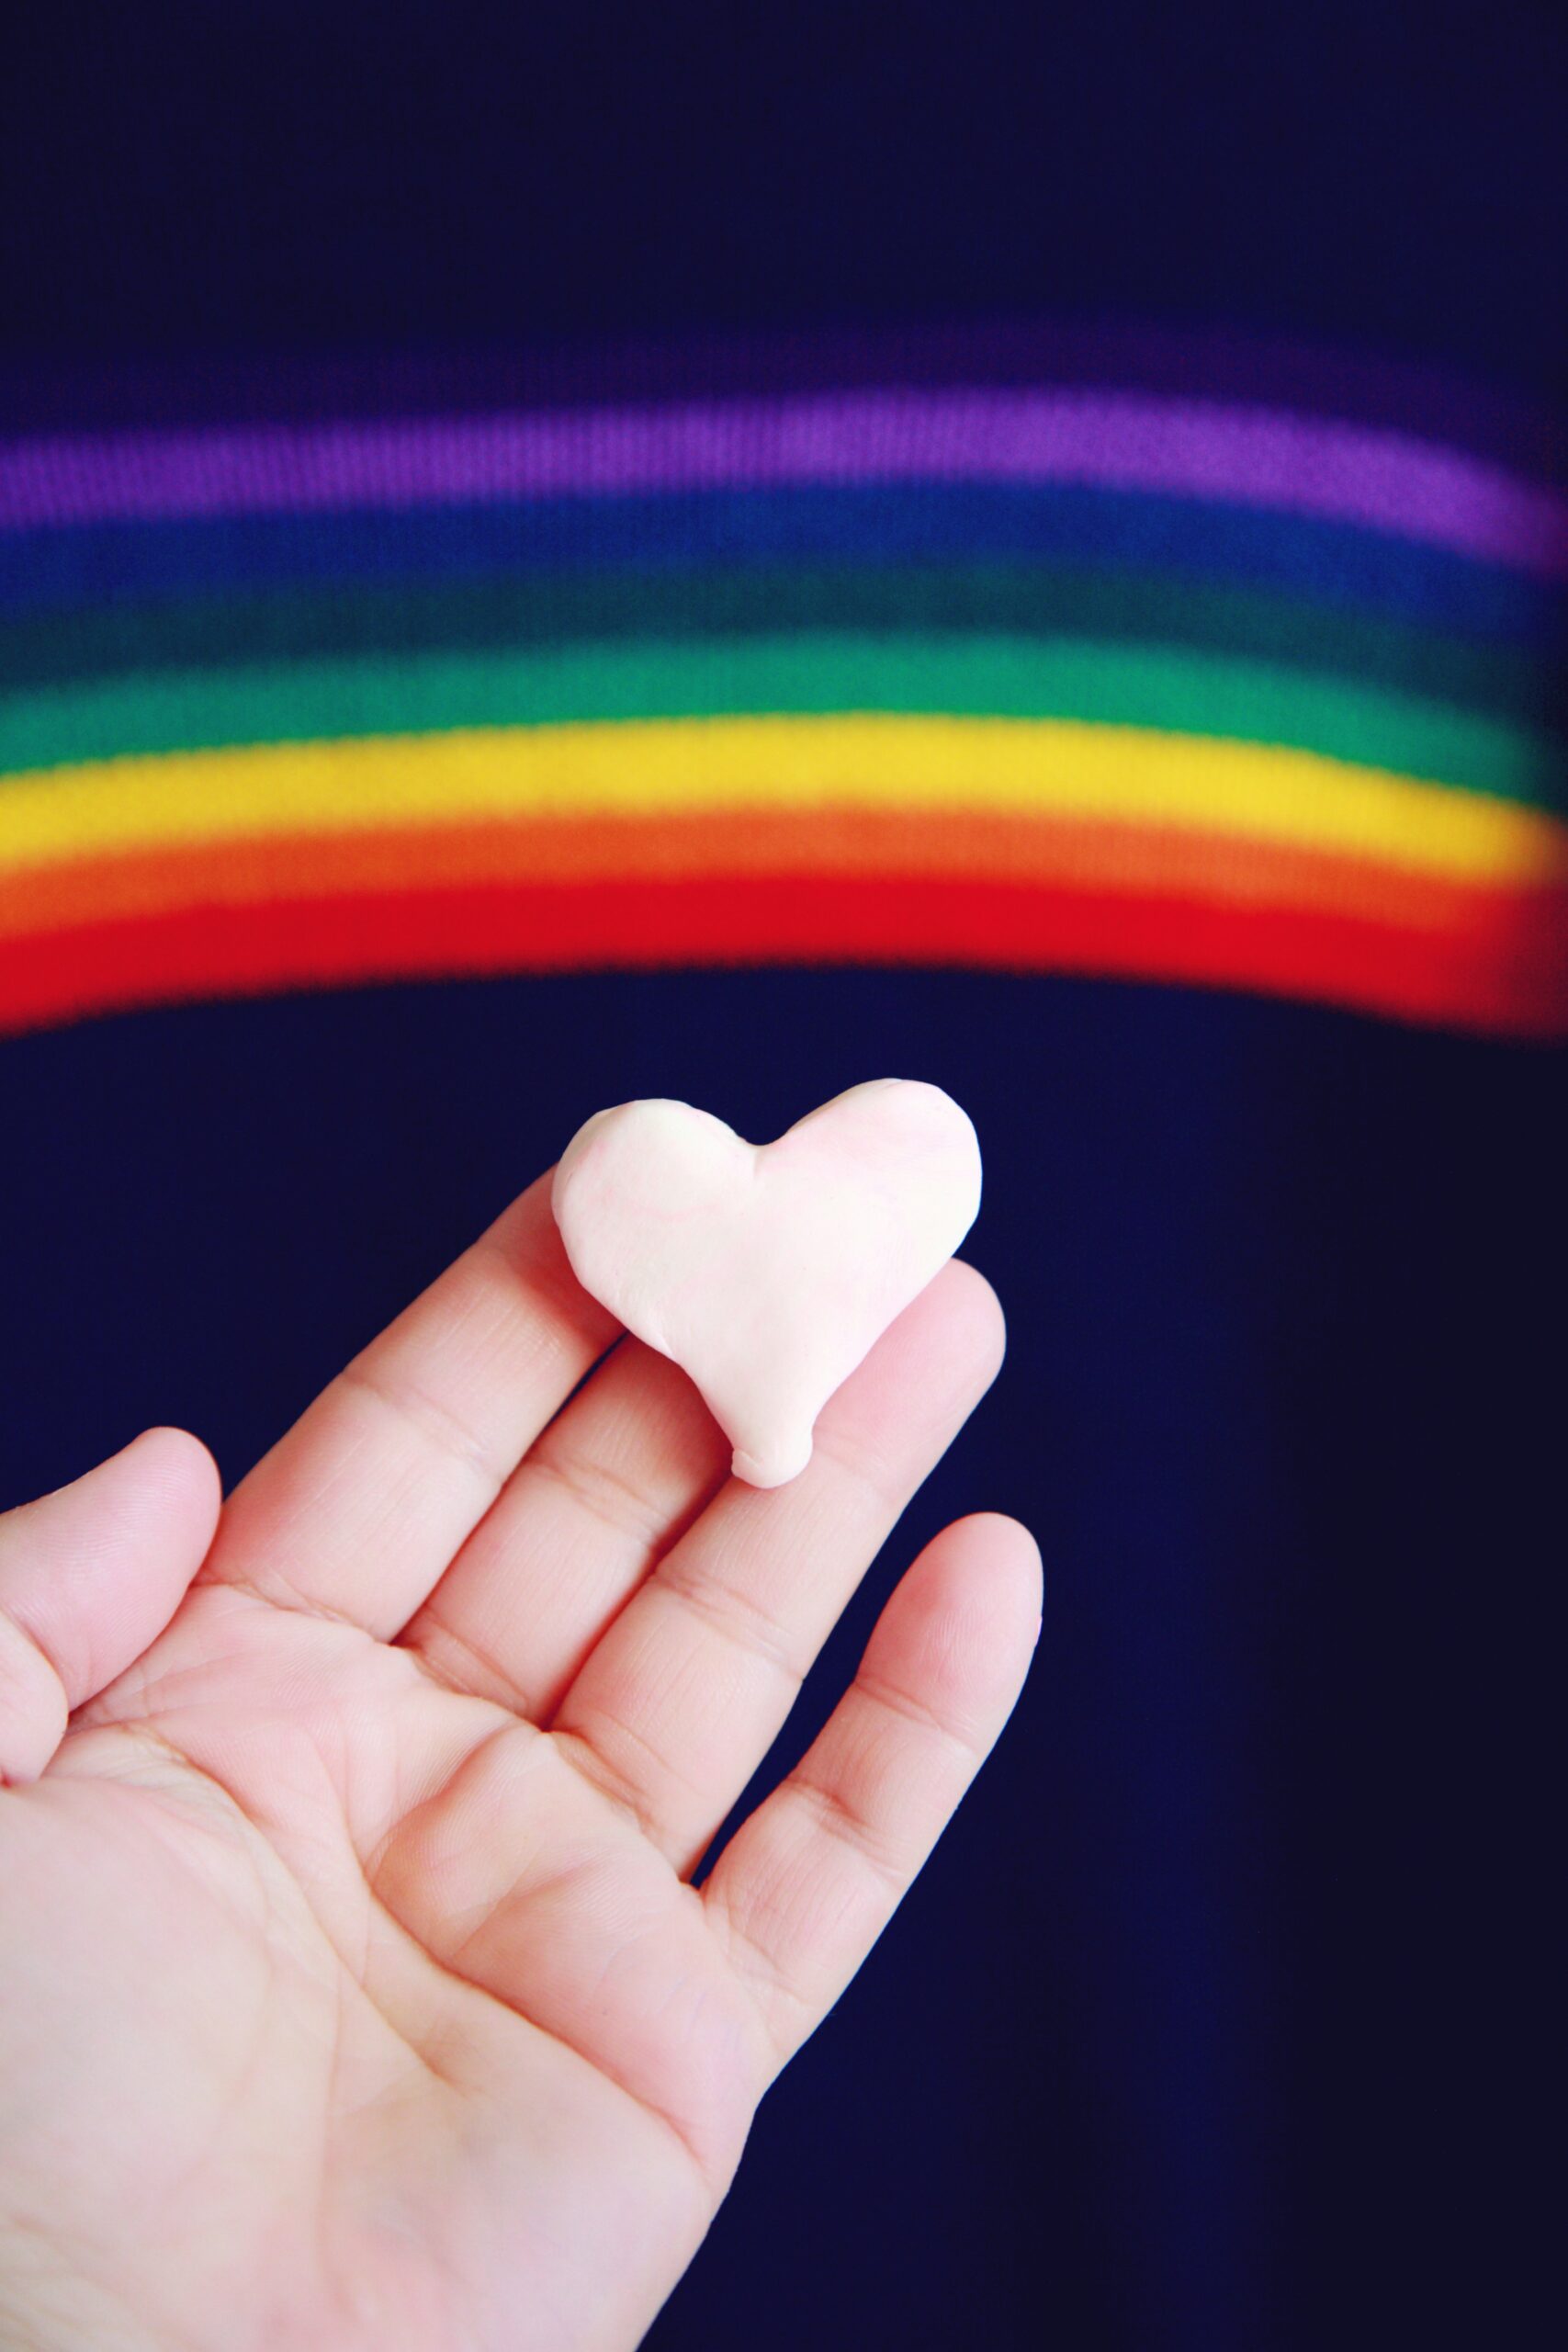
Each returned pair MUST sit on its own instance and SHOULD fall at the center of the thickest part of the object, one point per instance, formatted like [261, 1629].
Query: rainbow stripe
[1063, 669]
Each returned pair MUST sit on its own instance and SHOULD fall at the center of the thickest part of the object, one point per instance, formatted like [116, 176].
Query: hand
[353, 1989]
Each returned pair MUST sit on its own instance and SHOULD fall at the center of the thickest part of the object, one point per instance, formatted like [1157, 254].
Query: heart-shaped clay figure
[768, 1271]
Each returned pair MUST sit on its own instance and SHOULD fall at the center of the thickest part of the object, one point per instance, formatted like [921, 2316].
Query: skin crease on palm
[353, 1991]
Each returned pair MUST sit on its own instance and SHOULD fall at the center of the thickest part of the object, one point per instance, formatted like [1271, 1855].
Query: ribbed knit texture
[1038, 675]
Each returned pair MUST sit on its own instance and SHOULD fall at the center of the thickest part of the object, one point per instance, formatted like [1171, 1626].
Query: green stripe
[997, 599]
[1013, 677]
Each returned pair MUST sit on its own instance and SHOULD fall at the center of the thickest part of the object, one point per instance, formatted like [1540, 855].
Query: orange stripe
[1039, 852]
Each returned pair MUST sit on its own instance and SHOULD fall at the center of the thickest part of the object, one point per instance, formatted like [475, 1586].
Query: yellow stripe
[645, 767]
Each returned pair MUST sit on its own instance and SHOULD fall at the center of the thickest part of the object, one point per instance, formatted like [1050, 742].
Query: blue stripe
[1330, 562]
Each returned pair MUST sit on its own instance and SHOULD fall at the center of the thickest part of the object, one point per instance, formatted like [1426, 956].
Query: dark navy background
[287, 173]
[1217, 2022]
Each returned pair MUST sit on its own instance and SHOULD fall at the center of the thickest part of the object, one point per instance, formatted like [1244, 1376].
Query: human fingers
[806, 1885]
[89, 1576]
[681, 1699]
[612, 1482]
[360, 1508]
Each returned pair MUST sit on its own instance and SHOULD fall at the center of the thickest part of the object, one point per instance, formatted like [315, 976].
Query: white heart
[768, 1271]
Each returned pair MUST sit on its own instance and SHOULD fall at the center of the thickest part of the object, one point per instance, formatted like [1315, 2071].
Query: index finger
[357, 1510]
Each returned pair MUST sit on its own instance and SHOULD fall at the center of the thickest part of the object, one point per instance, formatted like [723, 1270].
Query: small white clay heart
[768, 1271]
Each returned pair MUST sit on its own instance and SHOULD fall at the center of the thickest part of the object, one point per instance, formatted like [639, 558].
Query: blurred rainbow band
[1078, 676]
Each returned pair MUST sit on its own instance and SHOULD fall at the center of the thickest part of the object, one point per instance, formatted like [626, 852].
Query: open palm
[353, 1991]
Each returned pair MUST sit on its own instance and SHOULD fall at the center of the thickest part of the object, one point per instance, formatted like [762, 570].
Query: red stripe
[1506, 973]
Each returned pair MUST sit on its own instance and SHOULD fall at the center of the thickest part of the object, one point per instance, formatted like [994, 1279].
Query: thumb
[89, 1576]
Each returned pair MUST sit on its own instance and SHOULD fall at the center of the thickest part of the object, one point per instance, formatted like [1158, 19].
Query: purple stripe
[1207, 362]
[1380, 481]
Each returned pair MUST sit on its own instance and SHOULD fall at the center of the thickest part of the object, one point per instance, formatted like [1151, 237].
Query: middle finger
[615, 1478]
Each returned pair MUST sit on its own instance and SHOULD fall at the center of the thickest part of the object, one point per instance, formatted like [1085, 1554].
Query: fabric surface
[542, 563]
[1050, 674]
